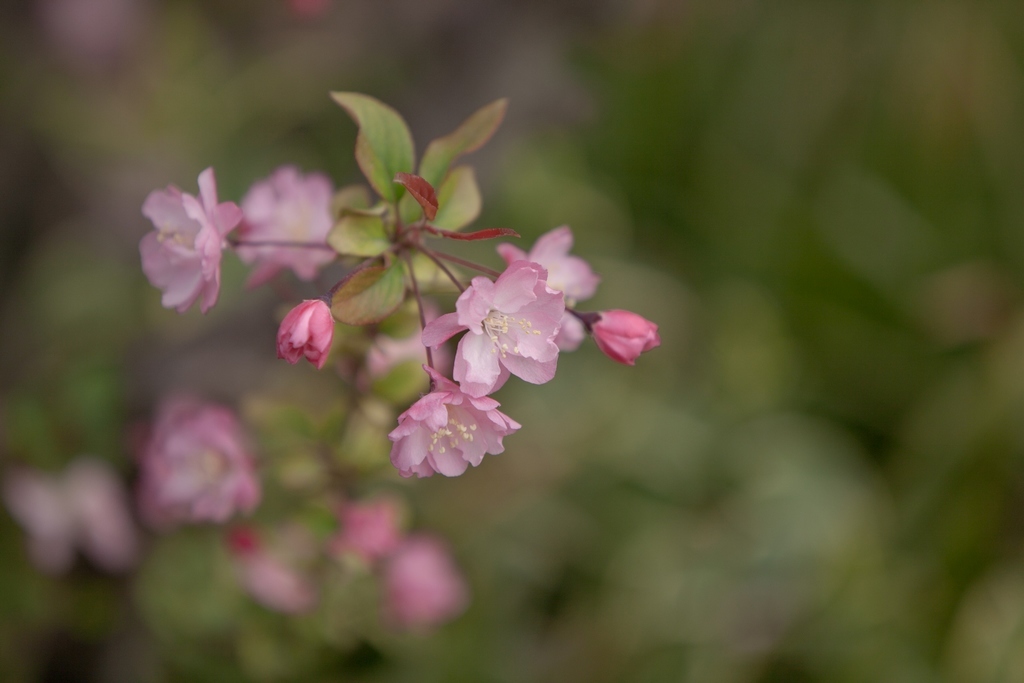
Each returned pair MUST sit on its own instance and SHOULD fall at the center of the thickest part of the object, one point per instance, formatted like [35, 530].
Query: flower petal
[441, 329]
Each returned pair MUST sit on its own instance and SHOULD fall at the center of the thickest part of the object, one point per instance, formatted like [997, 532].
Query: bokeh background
[819, 476]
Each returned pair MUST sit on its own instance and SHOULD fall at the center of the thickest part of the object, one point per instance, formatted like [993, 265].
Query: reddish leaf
[421, 191]
[485, 234]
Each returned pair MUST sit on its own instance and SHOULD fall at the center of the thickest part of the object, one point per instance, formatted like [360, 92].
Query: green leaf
[384, 144]
[409, 209]
[350, 197]
[358, 235]
[369, 295]
[458, 199]
[468, 137]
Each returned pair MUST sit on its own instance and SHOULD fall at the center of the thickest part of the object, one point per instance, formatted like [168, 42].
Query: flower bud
[624, 335]
[307, 330]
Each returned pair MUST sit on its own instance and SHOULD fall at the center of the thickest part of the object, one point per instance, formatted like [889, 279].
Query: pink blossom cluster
[282, 224]
[422, 585]
[514, 325]
[198, 465]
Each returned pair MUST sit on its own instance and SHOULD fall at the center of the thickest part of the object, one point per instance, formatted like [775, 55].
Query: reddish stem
[467, 264]
[419, 305]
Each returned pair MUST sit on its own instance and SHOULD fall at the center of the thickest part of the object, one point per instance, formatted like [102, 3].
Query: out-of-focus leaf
[468, 137]
[430, 278]
[350, 197]
[421, 191]
[458, 199]
[365, 443]
[369, 295]
[404, 383]
[358, 235]
[384, 145]
[186, 587]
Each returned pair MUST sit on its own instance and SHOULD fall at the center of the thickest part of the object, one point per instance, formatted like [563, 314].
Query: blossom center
[165, 234]
[496, 327]
[451, 435]
[209, 467]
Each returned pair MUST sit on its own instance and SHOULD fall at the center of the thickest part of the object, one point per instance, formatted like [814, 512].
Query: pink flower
[624, 335]
[86, 508]
[389, 352]
[512, 325]
[287, 207]
[422, 584]
[268, 578]
[447, 430]
[570, 275]
[196, 466]
[369, 529]
[307, 330]
[182, 256]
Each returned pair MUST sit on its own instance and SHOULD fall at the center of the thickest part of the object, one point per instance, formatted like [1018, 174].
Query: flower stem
[279, 243]
[437, 261]
[419, 305]
[465, 263]
[588, 319]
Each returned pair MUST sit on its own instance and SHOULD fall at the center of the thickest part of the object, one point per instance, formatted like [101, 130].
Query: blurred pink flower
[287, 207]
[86, 507]
[389, 352]
[624, 335]
[91, 33]
[570, 275]
[447, 430]
[423, 586]
[368, 529]
[512, 325]
[270, 580]
[182, 256]
[196, 466]
[309, 9]
[307, 330]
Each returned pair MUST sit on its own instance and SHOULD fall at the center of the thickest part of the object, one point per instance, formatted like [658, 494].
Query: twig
[467, 264]
[419, 305]
[434, 257]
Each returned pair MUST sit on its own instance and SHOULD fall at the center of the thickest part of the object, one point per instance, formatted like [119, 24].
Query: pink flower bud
[423, 586]
[623, 335]
[307, 330]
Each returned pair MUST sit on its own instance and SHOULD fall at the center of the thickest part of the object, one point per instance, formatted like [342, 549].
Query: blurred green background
[819, 476]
